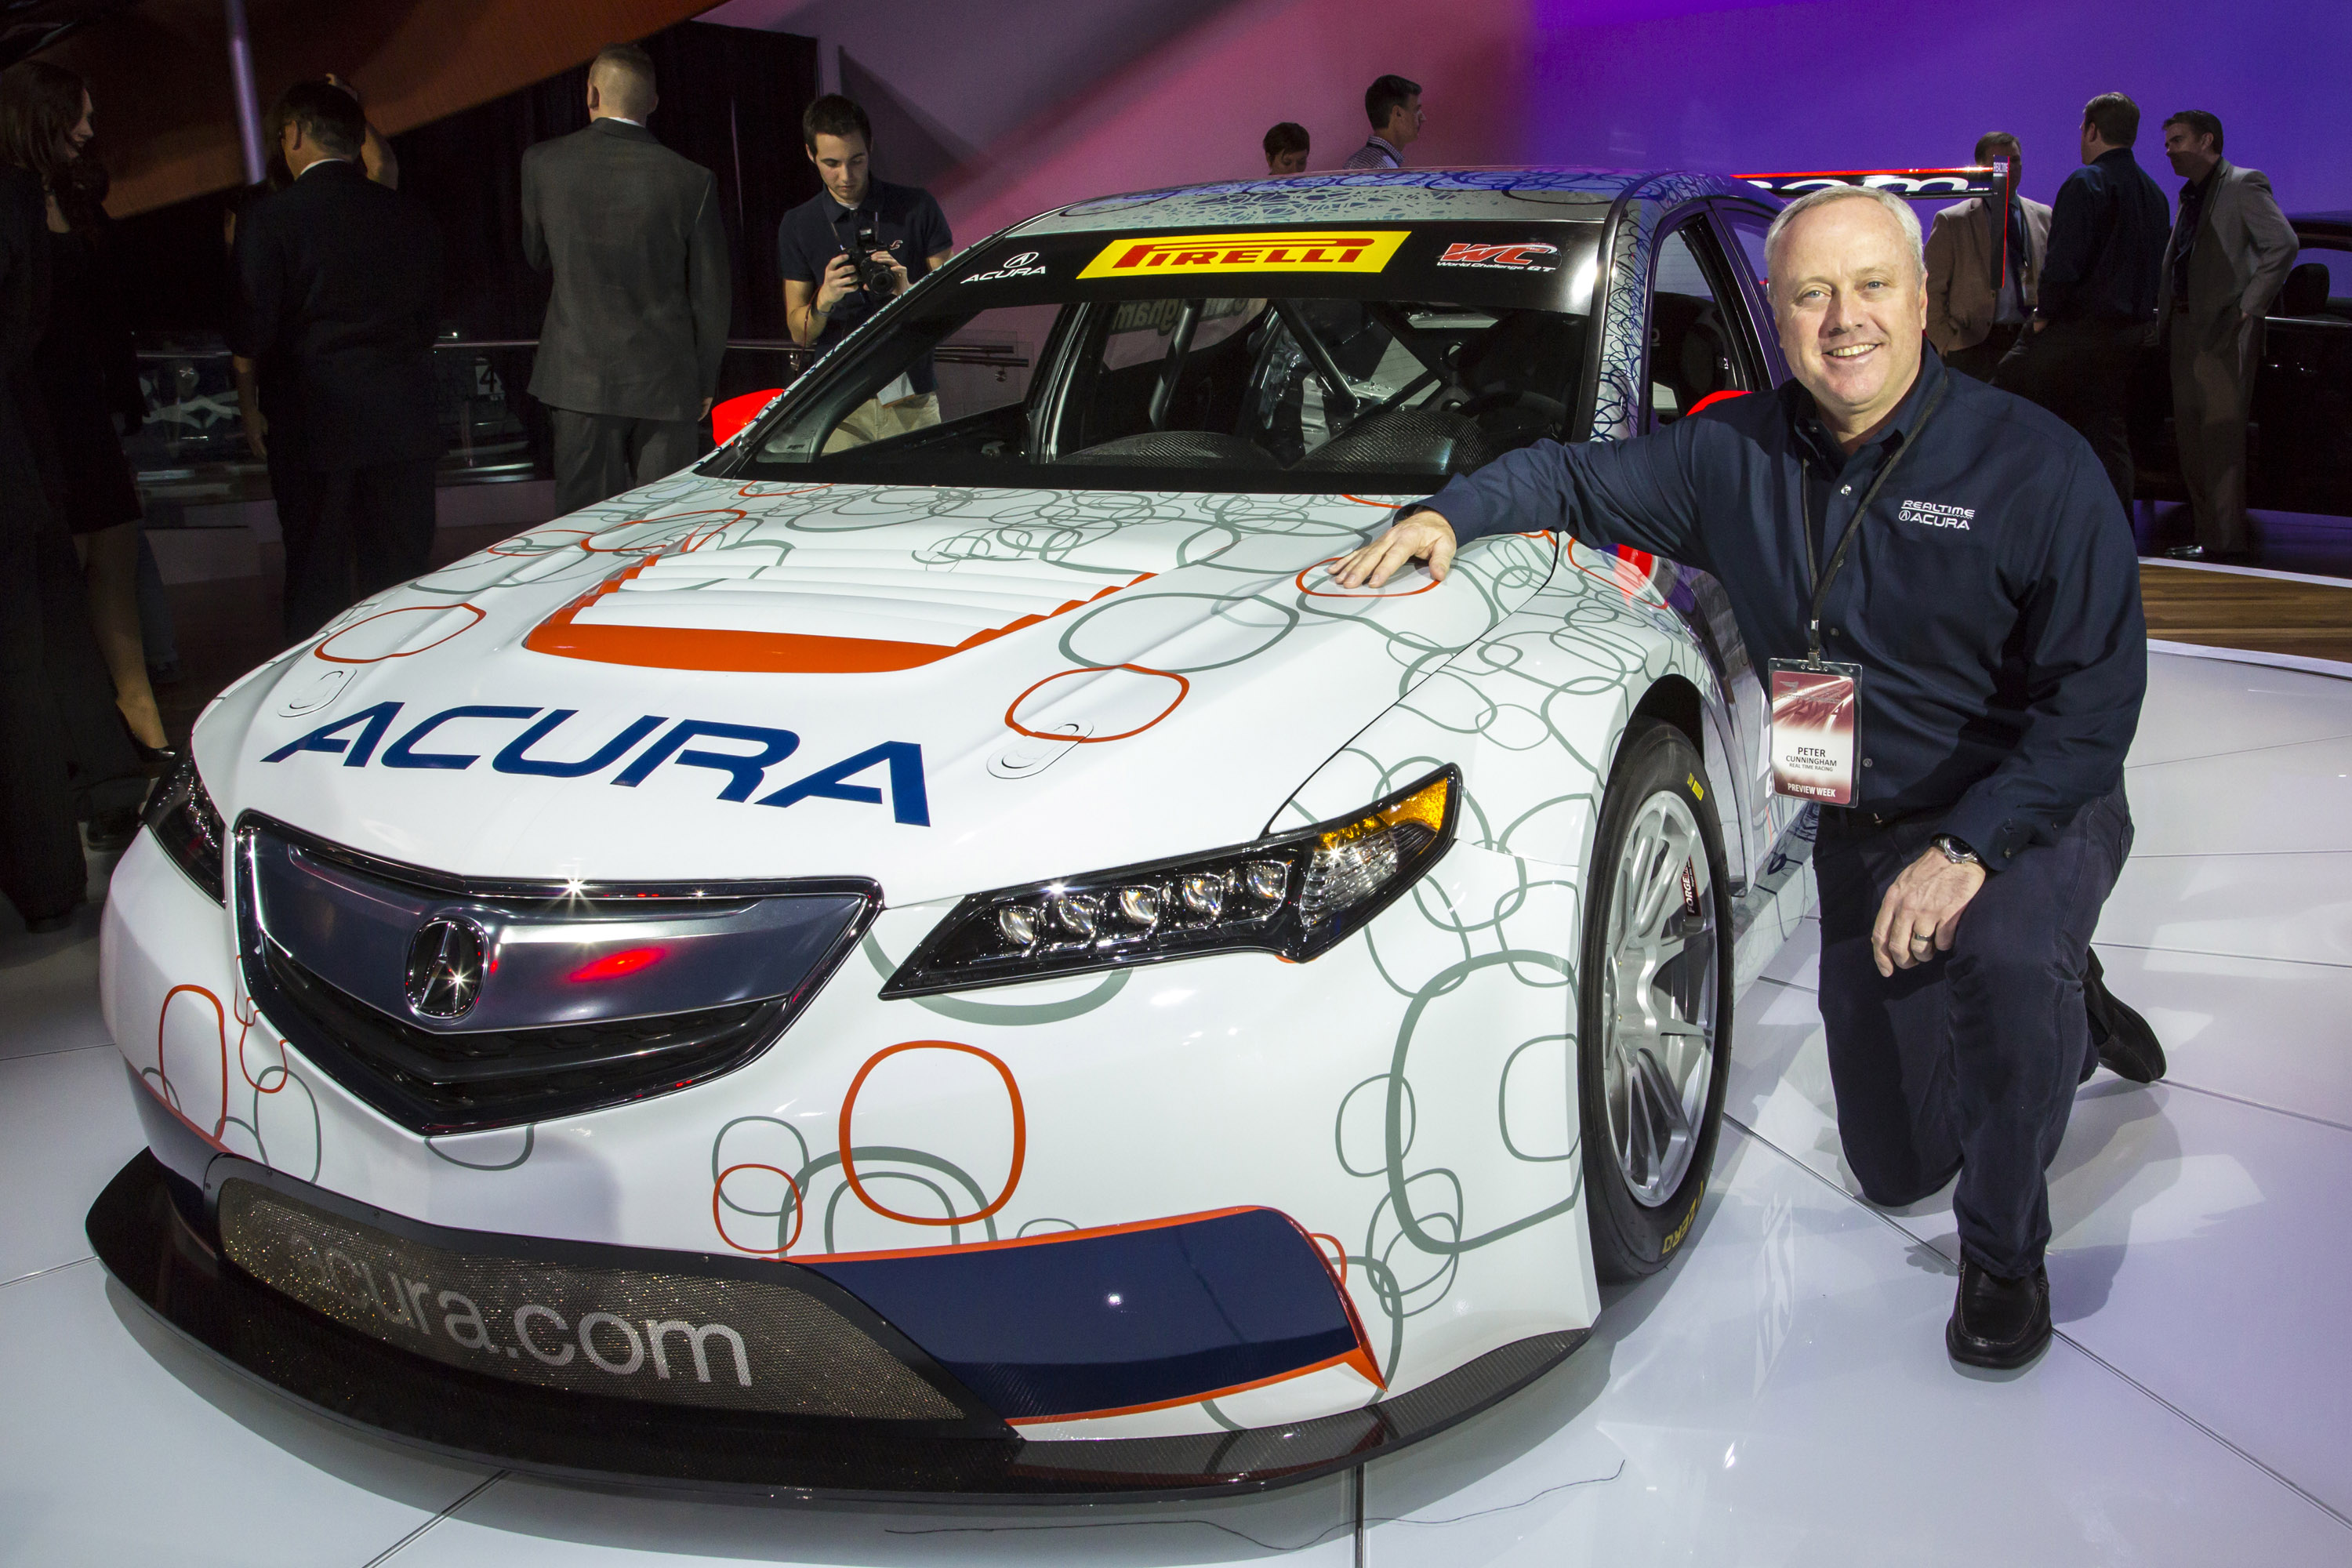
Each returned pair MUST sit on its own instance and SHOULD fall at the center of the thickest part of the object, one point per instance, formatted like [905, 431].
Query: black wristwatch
[1958, 853]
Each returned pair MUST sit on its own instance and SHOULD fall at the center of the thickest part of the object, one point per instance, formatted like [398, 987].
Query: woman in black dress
[87, 372]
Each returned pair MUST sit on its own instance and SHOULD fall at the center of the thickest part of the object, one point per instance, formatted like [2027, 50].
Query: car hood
[942, 689]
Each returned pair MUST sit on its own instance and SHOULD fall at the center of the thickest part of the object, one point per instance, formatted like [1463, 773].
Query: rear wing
[1912, 184]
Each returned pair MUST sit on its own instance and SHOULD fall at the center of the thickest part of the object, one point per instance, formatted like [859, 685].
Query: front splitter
[147, 1244]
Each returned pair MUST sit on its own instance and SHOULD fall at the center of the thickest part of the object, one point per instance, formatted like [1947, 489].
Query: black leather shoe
[2186, 553]
[2127, 1046]
[1996, 1322]
[45, 925]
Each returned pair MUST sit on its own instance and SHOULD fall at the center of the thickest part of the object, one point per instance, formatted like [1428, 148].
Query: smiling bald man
[1959, 555]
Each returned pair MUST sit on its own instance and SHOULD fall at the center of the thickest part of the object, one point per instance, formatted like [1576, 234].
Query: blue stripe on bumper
[1106, 1320]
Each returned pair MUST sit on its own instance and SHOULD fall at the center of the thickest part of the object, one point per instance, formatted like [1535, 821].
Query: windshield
[1378, 358]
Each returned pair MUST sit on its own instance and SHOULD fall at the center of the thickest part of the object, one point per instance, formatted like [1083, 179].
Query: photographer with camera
[849, 251]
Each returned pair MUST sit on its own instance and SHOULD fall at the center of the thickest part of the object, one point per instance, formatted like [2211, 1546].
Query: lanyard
[1822, 579]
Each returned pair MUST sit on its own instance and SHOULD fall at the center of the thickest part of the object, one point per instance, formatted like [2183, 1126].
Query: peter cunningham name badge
[1812, 741]
[1811, 744]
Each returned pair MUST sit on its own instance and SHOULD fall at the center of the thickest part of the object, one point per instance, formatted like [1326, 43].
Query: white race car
[941, 954]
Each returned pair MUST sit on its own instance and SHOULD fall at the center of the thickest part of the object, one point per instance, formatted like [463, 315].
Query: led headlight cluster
[1295, 894]
[181, 816]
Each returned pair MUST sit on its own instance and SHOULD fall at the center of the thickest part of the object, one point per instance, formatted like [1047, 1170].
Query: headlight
[1295, 894]
[181, 816]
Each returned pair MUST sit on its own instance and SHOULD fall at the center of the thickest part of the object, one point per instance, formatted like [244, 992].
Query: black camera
[872, 259]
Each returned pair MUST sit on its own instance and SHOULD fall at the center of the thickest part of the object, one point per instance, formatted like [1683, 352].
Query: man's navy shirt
[1991, 598]
[906, 221]
[2107, 233]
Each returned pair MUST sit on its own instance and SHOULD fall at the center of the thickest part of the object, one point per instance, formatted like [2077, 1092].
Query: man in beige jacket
[1983, 273]
[2231, 251]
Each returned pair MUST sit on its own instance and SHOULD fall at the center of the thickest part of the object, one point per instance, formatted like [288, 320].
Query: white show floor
[1780, 1395]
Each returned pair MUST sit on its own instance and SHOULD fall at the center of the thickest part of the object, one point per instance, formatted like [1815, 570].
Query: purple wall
[1011, 106]
[1902, 83]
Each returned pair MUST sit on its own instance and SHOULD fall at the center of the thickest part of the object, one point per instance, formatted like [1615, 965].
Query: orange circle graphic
[800, 1210]
[1020, 1133]
[498, 548]
[732, 514]
[320, 651]
[1375, 593]
[1183, 690]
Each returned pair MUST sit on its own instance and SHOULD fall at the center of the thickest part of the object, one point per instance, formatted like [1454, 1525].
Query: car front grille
[585, 997]
[458, 1083]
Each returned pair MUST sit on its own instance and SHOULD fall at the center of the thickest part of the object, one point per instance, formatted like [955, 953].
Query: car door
[1743, 228]
[1700, 347]
[1704, 345]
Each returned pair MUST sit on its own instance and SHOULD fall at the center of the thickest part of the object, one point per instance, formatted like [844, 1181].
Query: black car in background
[2299, 441]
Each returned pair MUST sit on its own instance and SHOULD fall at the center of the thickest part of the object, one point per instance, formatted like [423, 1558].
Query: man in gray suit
[628, 359]
[1984, 267]
[2230, 252]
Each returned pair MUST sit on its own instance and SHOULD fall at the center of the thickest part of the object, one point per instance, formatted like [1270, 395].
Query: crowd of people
[337, 279]
[2056, 302]
[1392, 104]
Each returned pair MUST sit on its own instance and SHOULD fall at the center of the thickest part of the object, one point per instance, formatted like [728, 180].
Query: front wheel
[1653, 1003]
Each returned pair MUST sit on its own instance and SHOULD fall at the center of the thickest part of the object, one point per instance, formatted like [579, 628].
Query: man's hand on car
[1424, 536]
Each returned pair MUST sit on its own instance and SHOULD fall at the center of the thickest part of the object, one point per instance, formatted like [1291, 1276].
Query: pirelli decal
[1289, 250]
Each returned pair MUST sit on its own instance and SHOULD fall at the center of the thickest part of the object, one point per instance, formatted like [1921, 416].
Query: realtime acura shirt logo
[444, 968]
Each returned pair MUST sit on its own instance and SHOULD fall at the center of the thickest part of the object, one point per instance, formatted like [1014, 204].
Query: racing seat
[1176, 450]
[1689, 355]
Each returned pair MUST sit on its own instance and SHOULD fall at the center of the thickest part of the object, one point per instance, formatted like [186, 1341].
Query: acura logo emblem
[444, 968]
[1023, 259]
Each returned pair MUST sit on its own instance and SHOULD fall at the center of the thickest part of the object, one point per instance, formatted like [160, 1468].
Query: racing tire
[1653, 1003]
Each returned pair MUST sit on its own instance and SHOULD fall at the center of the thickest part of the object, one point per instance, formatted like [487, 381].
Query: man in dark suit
[2098, 290]
[628, 358]
[1984, 268]
[2230, 255]
[63, 753]
[338, 283]
[41, 870]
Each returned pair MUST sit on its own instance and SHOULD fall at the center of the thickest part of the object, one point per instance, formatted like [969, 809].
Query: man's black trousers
[63, 753]
[2082, 372]
[598, 456]
[1966, 1063]
[350, 532]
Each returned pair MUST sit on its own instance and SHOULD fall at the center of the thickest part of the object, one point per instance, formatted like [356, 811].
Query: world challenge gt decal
[1519, 257]
[1293, 250]
[357, 738]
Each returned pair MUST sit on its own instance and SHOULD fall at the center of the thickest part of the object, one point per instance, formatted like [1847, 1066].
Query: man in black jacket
[337, 283]
[2108, 234]
[628, 358]
[1981, 620]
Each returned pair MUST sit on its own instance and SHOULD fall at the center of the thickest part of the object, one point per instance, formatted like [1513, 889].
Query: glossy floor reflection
[1780, 1395]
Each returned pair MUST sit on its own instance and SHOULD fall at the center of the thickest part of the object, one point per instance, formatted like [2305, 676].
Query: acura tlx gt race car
[966, 964]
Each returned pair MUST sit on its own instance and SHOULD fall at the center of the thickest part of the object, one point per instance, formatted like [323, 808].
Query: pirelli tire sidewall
[1630, 1239]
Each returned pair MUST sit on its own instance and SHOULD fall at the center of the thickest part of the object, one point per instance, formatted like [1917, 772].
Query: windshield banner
[1285, 250]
